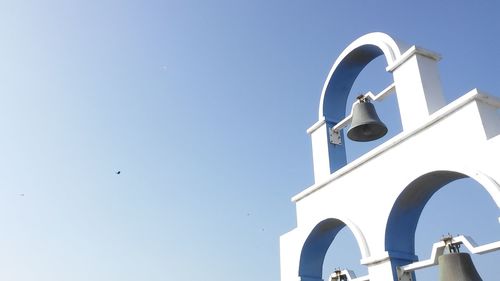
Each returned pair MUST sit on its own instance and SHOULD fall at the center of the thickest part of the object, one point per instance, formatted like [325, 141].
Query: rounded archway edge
[318, 239]
[370, 46]
[401, 215]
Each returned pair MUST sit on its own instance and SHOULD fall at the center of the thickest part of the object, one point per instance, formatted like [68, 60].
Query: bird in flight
[118, 172]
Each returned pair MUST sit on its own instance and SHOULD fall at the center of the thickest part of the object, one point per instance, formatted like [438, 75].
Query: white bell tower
[380, 195]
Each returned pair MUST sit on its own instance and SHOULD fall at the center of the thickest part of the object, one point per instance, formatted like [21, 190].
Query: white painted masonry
[380, 206]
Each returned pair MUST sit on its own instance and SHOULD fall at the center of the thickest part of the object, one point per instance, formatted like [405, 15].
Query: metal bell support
[365, 124]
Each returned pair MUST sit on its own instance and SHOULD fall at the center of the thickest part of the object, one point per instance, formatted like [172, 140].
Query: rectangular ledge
[433, 118]
[377, 259]
[409, 53]
[387, 256]
[316, 125]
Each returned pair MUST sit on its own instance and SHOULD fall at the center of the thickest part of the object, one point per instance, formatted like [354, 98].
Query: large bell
[457, 267]
[365, 124]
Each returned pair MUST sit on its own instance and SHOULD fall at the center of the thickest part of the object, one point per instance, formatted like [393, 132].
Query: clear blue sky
[203, 106]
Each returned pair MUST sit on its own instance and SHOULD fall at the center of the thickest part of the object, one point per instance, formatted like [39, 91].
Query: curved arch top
[404, 216]
[319, 240]
[348, 66]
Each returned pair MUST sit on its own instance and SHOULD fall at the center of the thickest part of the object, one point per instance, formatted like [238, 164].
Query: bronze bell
[457, 267]
[365, 124]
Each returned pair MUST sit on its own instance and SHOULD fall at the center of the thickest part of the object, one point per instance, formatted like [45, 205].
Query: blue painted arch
[349, 65]
[319, 240]
[341, 78]
[406, 211]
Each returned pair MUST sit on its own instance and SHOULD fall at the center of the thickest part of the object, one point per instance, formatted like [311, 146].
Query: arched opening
[339, 83]
[373, 78]
[314, 250]
[343, 254]
[343, 77]
[439, 203]
[460, 207]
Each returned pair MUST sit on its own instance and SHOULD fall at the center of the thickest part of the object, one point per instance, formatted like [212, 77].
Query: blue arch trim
[404, 216]
[315, 248]
[342, 79]
[337, 92]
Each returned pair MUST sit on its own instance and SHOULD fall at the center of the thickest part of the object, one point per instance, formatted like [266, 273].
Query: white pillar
[321, 157]
[418, 86]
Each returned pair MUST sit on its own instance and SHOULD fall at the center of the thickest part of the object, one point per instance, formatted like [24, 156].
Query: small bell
[365, 124]
[457, 267]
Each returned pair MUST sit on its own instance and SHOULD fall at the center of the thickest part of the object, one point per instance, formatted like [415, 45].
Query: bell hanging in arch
[457, 267]
[365, 124]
